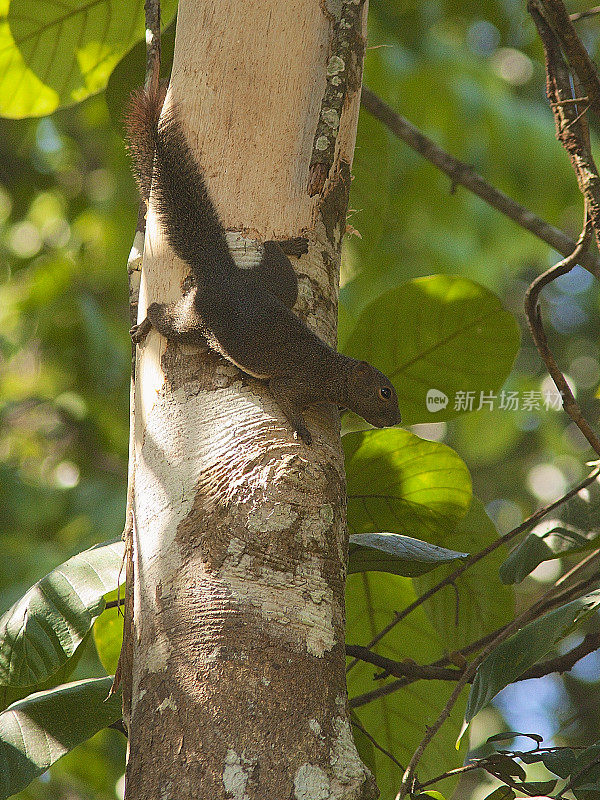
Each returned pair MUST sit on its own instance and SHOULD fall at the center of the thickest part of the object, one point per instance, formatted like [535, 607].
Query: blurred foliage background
[470, 76]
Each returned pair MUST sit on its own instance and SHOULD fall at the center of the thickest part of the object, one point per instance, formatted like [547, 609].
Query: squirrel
[244, 315]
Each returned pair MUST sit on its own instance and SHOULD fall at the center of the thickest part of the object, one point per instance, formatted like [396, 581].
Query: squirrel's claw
[139, 332]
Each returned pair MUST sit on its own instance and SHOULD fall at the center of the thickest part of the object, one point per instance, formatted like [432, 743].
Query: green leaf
[439, 335]
[56, 54]
[505, 767]
[560, 762]
[511, 658]
[401, 483]
[393, 552]
[11, 694]
[429, 793]
[501, 793]
[108, 633]
[539, 547]
[397, 721]
[478, 602]
[44, 628]
[524, 559]
[538, 788]
[510, 735]
[36, 732]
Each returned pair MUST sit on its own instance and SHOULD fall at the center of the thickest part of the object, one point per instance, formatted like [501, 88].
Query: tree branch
[404, 669]
[591, 12]
[524, 526]
[572, 46]
[134, 275]
[558, 36]
[534, 319]
[408, 778]
[564, 663]
[463, 174]
[574, 591]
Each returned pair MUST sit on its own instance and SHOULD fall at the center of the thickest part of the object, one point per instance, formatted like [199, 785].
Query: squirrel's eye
[385, 392]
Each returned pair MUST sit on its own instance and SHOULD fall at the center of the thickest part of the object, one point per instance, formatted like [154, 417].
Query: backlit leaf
[444, 341]
[515, 655]
[37, 731]
[56, 54]
[392, 552]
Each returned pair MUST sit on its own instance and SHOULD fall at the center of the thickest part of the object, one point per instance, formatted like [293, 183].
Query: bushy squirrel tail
[141, 125]
[164, 162]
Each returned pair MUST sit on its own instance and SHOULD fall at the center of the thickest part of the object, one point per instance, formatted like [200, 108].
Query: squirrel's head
[372, 395]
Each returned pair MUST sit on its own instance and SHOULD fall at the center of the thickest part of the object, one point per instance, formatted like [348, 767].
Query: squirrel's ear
[362, 368]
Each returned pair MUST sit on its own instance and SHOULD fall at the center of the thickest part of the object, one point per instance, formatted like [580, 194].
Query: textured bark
[238, 686]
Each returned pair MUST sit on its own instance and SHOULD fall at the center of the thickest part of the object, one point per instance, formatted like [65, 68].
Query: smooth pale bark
[238, 687]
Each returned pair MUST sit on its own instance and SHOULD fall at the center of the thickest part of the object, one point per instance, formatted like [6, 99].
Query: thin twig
[415, 672]
[591, 12]
[481, 764]
[574, 591]
[120, 601]
[522, 619]
[534, 319]
[577, 56]
[376, 744]
[568, 100]
[574, 778]
[465, 175]
[524, 526]
[559, 39]
[449, 774]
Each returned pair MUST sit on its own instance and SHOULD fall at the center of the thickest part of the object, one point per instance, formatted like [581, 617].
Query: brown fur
[243, 317]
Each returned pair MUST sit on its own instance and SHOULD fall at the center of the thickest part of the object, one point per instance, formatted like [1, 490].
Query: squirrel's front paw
[139, 332]
[303, 433]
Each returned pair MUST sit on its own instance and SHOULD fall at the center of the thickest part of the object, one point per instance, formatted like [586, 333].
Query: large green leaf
[398, 482]
[477, 602]
[395, 553]
[45, 627]
[398, 721]
[511, 658]
[438, 337]
[11, 694]
[56, 54]
[36, 732]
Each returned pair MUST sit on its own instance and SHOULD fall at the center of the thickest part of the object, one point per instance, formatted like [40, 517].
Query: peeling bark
[238, 687]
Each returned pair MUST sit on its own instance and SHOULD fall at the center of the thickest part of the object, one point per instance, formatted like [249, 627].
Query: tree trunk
[238, 687]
